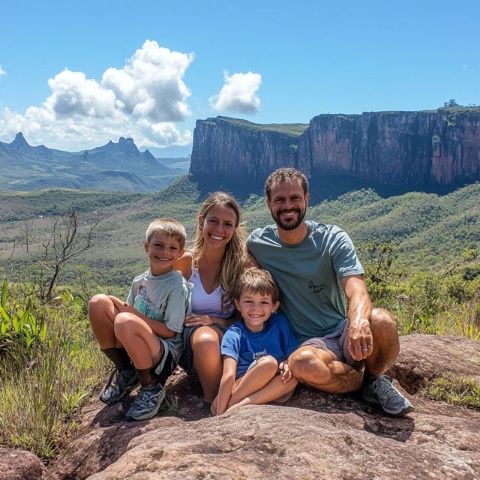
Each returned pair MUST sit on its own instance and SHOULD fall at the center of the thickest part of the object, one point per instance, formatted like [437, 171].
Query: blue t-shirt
[276, 339]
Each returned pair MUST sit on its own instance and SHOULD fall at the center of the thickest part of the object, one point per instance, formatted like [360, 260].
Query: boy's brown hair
[256, 280]
[168, 226]
[286, 174]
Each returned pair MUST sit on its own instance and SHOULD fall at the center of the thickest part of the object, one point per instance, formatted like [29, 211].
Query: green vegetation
[49, 364]
[292, 129]
[462, 391]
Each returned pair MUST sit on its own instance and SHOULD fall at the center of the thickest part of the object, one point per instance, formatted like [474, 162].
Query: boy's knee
[98, 300]
[267, 361]
[123, 324]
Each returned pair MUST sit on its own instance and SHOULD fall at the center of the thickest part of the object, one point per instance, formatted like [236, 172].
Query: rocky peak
[19, 141]
[127, 145]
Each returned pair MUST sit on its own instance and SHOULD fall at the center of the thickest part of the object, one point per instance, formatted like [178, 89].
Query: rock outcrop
[22, 465]
[426, 149]
[314, 436]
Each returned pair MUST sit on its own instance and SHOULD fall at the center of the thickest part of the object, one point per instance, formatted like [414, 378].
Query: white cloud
[142, 100]
[238, 94]
[2, 71]
[73, 93]
[150, 85]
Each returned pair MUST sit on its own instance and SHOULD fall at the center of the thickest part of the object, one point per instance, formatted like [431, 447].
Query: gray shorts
[335, 343]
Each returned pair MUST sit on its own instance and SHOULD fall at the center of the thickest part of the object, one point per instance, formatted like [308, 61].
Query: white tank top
[204, 303]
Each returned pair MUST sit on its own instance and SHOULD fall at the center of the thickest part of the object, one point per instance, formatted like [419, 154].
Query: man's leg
[377, 387]
[320, 369]
[386, 345]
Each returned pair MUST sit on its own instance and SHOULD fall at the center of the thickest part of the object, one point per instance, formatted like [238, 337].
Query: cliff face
[223, 148]
[406, 149]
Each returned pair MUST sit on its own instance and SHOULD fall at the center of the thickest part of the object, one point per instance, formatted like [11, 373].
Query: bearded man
[316, 268]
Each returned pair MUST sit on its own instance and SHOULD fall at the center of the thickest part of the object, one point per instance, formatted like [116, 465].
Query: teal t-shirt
[165, 298]
[308, 275]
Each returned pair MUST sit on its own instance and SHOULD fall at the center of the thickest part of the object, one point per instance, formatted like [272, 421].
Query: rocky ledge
[315, 436]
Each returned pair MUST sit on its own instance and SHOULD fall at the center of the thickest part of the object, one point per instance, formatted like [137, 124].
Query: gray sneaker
[147, 403]
[120, 383]
[380, 392]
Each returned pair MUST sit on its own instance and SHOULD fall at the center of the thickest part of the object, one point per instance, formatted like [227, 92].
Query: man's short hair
[168, 226]
[286, 174]
[256, 280]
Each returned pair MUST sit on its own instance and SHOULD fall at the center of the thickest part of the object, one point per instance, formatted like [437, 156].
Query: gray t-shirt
[308, 275]
[165, 298]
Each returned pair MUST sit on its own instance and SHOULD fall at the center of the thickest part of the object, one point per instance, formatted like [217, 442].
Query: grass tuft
[464, 391]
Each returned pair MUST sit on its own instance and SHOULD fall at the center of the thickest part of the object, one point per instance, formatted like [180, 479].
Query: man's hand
[360, 340]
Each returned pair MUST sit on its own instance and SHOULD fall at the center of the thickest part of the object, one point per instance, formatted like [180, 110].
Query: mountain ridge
[115, 166]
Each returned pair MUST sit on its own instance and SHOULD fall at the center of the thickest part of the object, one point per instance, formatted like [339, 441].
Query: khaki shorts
[335, 343]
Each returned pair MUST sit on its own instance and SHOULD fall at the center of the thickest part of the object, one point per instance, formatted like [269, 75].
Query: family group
[251, 317]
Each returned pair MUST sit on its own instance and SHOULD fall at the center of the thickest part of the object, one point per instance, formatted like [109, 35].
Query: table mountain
[390, 151]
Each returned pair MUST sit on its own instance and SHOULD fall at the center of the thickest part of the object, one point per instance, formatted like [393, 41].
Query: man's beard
[293, 224]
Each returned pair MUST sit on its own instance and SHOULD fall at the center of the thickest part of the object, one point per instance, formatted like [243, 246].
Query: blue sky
[276, 61]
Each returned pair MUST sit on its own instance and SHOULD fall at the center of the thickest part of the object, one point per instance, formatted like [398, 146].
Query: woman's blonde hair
[235, 256]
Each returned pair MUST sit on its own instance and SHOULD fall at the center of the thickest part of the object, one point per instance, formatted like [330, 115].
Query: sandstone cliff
[411, 150]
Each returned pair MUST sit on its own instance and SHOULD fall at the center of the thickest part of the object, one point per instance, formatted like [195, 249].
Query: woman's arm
[226, 384]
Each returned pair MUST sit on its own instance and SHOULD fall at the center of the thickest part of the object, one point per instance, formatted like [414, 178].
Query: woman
[217, 258]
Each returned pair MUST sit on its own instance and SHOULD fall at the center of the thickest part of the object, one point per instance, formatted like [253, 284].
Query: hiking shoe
[120, 383]
[147, 403]
[381, 392]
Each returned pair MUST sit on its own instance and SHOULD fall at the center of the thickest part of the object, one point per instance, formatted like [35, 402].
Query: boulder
[21, 465]
[315, 435]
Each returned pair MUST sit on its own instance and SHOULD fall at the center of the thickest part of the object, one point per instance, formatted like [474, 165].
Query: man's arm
[360, 340]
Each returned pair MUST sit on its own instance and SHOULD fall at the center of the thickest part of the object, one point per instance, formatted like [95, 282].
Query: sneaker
[381, 392]
[147, 403]
[120, 383]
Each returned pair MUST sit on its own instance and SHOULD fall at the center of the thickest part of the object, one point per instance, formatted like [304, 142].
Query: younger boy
[255, 350]
[142, 336]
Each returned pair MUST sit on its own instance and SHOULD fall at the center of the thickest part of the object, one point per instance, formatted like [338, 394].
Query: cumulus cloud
[150, 85]
[238, 94]
[142, 100]
[2, 71]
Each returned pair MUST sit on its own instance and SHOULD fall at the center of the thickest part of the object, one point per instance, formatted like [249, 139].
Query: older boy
[142, 336]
